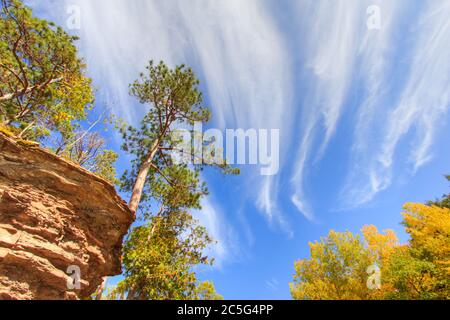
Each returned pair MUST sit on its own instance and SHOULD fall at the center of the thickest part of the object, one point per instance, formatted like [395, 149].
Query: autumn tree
[421, 269]
[338, 266]
[43, 88]
[380, 245]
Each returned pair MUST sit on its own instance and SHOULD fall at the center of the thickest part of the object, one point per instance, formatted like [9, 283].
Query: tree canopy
[420, 269]
[160, 255]
[173, 98]
[45, 95]
[43, 86]
[337, 268]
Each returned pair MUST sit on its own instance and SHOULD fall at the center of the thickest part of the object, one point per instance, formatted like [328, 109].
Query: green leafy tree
[159, 256]
[174, 99]
[104, 165]
[43, 88]
[410, 276]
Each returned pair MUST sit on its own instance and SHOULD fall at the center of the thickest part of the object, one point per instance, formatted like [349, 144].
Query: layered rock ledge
[55, 217]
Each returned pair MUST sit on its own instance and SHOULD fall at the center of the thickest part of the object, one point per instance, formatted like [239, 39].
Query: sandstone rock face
[55, 219]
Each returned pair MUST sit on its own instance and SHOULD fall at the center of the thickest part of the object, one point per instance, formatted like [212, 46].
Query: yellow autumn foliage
[429, 227]
[338, 264]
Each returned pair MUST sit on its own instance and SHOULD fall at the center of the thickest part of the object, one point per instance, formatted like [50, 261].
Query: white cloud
[426, 97]
[225, 250]
[376, 58]
[331, 47]
[302, 206]
[346, 58]
[267, 202]
[422, 105]
[273, 284]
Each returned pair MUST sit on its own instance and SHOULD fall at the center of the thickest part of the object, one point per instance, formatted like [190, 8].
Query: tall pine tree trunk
[142, 177]
[137, 194]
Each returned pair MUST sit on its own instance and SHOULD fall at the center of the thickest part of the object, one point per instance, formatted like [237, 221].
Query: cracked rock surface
[55, 215]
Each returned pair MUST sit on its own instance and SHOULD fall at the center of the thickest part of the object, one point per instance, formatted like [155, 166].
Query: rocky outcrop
[55, 219]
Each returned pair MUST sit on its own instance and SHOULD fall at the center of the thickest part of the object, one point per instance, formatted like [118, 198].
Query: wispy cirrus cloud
[425, 99]
[376, 58]
[225, 248]
[422, 105]
[330, 38]
[273, 284]
[344, 59]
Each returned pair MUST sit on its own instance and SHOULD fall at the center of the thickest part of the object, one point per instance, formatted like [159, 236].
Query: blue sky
[363, 113]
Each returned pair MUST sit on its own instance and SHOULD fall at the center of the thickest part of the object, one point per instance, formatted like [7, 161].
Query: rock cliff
[55, 219]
